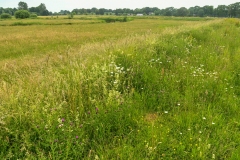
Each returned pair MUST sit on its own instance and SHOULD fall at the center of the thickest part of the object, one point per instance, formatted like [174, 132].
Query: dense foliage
[33, 15]
[232, 10]
[5, 16]
[22, 14]
[22, 6]
[40, 10]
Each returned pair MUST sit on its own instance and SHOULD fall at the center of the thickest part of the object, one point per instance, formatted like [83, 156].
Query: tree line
[40, 10]
[232, 10]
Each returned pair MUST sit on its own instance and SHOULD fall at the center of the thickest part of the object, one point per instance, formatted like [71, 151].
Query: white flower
[166, 112]
[209, 146]
[213, 156]
[204, 118]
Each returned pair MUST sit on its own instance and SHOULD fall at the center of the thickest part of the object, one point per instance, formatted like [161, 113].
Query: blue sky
[57, 5]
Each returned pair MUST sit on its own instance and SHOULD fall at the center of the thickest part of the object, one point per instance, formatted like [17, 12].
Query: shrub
[5, 16]
[33, 16]
[70, 16]
[22, 14]
[113, 19]
[125, 19]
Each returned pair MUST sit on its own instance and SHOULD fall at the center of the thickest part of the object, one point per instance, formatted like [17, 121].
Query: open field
[55, 35]
[149, 88]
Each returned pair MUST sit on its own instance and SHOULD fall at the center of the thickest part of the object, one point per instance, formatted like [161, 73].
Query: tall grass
[55, 36]
[175, 95]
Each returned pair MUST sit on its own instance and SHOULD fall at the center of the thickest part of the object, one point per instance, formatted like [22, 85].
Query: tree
[119, 11]
[34, 10]
[182, 12]
[64, 12]
[22, 6]
[146, 10]
[22, 14]
[208, 10]
[43, 10]
[234, 10]
[222, 11]
[169, 11]
[194, 11]
[94, 10]
[158, 12]
[200, 12]
[137, 11]
[102, 11]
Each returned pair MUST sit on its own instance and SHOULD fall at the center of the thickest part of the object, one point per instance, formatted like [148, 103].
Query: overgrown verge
[175, 96]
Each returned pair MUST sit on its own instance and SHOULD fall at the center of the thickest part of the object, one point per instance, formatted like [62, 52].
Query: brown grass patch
[151, 117]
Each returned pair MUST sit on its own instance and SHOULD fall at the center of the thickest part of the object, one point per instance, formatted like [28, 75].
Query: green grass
[49, 38]
[164, 93]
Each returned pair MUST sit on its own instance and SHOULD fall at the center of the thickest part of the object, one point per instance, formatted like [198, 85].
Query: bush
[5, 16]
[113, 19]
[33, 16]
[22, 14]
[70, 16]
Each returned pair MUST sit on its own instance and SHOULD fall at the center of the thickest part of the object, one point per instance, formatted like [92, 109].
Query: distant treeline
[232, 10]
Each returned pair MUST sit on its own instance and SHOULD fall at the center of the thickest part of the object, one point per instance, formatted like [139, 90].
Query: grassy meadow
[148, 88]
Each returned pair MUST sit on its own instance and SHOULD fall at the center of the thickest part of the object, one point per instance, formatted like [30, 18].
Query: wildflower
[204, 118]
[63, 120]
[209, 146]
[166, 112]
[77, 137]
[96, 157]
[213, 123]
[97, 110]
[213, 156]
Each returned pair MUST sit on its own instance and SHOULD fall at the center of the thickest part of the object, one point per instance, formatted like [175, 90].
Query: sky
[57, 5]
